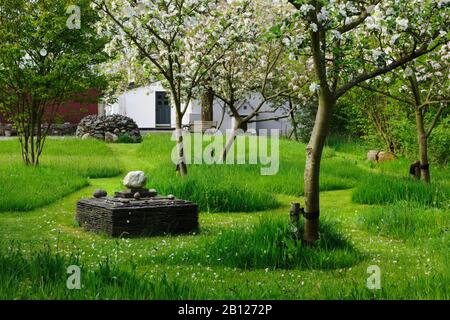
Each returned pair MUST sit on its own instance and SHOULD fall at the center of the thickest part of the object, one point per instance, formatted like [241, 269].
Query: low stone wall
[108, 128]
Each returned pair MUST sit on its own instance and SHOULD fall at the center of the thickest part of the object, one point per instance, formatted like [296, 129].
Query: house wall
[139, 104]
[194, 112]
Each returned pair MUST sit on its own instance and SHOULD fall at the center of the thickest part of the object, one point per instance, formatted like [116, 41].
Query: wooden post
[414, 170]
[294, 214]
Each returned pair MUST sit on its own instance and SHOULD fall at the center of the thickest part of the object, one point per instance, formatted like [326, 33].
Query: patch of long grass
[241, 187]
[386, 189]
[405, 221]
[273, 243]
[43, 275]
[66, 165]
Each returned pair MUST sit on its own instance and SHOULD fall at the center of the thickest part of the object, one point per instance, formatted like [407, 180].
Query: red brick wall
[75, 110]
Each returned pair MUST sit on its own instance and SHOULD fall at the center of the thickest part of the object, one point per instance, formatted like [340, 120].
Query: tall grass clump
[213, 190]
[386, 189]
[273, 243]
[405, 221]
[66, 165]
[42, 274]
[241, 187]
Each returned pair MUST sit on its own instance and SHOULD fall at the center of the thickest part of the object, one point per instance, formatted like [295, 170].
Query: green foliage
[44, 63]
[126, 138]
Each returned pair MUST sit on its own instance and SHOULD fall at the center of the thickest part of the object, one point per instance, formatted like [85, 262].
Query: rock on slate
[100, 193]
[135, 180]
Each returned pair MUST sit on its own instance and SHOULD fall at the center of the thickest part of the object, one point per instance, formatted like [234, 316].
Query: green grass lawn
[65, 167]
[245, 248]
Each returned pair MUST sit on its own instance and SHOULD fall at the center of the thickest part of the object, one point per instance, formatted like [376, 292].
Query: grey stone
[135, 180]
[100, 193]
[111, 137]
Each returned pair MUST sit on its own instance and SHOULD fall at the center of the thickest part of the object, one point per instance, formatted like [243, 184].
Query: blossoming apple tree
[176, 42]
[423, 86]
[351, 42]
[256, 68]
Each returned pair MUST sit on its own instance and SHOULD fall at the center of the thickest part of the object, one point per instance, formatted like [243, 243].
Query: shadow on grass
[271, 244]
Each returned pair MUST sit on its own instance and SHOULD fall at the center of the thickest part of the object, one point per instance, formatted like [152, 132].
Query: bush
[126, 138]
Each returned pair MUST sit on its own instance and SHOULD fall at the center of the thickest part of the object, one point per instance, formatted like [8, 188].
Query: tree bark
[181, 165]
[293, 121]
[423, 147]
[312, 168]
[420, 129]
[230, 140]
[207, 102]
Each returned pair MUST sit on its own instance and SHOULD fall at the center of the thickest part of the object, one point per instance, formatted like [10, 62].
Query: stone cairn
[137, 211]
[108, 128]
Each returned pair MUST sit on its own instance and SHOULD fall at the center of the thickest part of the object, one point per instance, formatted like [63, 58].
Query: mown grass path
[408, 270]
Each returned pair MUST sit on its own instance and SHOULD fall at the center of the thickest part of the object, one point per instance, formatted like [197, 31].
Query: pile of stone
[108, 128]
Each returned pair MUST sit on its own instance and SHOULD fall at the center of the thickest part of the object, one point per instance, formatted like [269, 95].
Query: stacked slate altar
[137, 211]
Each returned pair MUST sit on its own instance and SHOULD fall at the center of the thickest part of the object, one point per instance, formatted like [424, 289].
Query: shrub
[126, 138]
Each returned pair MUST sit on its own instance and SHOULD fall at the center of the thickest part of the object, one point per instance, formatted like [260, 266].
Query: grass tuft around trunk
[272, 243]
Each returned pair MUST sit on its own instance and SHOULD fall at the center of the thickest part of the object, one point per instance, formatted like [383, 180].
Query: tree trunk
[312, 168]
[181, 165]
[423, 148]
[230, 140]
[207, 102]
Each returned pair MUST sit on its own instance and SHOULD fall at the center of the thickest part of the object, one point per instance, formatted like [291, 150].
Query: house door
[162, 109]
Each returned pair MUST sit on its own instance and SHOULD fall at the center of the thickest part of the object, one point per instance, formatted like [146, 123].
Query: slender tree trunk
[207, 102]
[294, 127]
[231, 139]
[312, 168]
[423, 148]
[421, 135]
[181, 166]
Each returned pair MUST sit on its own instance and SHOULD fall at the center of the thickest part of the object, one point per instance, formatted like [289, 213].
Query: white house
[150, 108]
